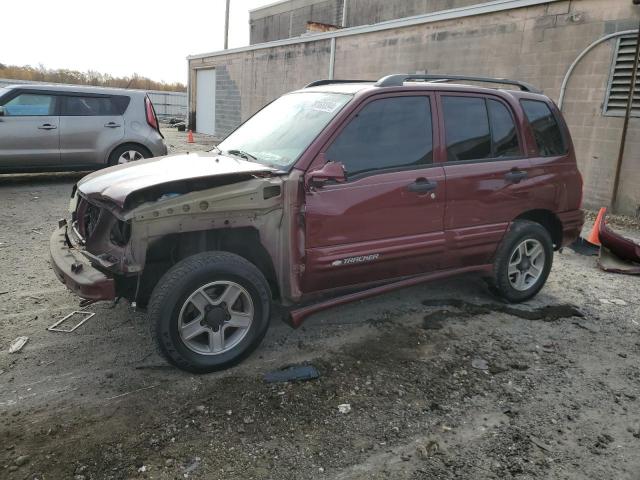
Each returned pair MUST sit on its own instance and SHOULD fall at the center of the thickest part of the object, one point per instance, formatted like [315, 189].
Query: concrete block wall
[535, 44]
[228, 102]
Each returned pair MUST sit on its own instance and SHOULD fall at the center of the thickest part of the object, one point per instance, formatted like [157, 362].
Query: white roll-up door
[206, 101]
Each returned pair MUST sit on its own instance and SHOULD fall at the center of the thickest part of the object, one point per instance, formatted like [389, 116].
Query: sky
[120, 37]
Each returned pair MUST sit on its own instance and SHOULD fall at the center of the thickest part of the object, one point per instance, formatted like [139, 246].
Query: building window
[619, 86]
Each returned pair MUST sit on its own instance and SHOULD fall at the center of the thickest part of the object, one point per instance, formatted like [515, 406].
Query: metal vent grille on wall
[620, 80]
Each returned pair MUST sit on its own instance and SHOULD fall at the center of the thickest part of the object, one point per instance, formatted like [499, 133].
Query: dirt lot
[443, 380]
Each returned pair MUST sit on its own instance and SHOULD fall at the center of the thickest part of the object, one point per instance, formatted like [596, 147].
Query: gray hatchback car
[56, 127]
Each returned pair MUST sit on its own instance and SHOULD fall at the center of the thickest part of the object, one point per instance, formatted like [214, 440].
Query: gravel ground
[177, 141]
[443, 381]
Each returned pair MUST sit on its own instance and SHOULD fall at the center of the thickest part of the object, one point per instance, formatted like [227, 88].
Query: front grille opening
[87, 217]
[90, 221]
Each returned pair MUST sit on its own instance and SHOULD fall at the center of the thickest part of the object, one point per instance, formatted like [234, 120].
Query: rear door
[90, 127]
[386, 220]
[487, 172]
[29, 131]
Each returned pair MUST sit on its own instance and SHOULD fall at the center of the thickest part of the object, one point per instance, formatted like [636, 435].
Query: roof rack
[318, 83]
[397, 80]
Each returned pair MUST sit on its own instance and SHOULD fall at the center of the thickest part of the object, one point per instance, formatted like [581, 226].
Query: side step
[296, 316]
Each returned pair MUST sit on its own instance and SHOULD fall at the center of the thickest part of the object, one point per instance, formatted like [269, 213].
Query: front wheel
[523, 261]
[210, 311]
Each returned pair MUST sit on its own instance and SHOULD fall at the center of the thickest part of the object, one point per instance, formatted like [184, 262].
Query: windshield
[279, 133]
[3, 91]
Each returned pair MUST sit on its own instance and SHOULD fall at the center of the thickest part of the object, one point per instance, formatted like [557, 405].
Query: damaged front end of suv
[130, 225]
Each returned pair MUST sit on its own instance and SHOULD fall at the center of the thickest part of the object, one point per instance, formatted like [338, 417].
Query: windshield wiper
[243, 154]
[248, 156]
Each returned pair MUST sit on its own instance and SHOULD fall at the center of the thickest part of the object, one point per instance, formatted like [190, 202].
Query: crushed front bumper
[76, 272]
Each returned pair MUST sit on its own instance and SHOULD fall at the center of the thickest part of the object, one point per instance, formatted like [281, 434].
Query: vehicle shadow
[40, 177]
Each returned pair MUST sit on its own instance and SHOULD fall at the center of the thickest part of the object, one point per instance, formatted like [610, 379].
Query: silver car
[55, 127]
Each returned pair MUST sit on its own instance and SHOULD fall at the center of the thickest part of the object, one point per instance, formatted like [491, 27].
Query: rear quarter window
[546, 129]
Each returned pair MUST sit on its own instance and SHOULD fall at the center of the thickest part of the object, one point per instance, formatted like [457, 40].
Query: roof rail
[397, 80]
[318, 83]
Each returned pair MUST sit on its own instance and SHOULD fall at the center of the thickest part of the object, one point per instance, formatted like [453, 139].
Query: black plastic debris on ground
[584, 247]
[294, 373]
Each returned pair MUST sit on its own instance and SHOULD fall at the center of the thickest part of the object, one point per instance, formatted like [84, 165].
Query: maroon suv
[333, 193]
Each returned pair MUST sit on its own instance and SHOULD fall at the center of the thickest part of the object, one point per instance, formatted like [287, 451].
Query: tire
[128, 150]
[522, 262]
[178, 310]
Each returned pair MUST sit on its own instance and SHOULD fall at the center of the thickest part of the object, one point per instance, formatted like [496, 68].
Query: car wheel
[210, 311]
[128, 153]
[523, 261]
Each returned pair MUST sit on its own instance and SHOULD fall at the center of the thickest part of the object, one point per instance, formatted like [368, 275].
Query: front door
[386, 220]
[29, 133]
[487, 172]
[90, 127]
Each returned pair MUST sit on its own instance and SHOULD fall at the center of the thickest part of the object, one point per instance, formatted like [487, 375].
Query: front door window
[388, 134]
[30, 105]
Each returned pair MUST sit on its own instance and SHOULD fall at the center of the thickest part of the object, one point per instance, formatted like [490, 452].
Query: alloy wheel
[526, 264]
[130, 156]
[215, 318]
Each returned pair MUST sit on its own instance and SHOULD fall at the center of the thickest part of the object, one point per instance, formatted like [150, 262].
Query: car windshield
[279, 133]
[3, 91]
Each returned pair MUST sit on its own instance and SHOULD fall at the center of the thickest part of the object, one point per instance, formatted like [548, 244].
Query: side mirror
[330, 171]
[1, 111]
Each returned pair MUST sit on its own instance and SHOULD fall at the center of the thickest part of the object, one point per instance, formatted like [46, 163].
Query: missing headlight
[120, 233]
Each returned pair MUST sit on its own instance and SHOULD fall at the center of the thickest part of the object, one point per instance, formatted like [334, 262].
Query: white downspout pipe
[565, 81]
[332, 57]
[345, 11]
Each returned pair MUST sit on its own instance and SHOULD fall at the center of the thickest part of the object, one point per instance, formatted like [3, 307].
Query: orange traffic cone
[594, 236]
[190, 137]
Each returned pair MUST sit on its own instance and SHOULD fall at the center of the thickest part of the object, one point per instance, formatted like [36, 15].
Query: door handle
[422, 185]
[47, 126]
[516, 175]
[112, 125]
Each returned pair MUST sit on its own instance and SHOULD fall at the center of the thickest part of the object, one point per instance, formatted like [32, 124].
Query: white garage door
[206, 101]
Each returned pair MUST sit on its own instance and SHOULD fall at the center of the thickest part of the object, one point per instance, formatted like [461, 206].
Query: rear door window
[479, 129]
[30, 105]
[546, 130]
[387, 134]
[466, 126]
[94, 106]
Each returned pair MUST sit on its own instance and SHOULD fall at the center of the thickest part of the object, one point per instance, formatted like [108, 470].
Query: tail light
[152, 120]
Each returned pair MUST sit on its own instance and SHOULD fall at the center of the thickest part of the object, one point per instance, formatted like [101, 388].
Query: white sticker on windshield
[325, 106]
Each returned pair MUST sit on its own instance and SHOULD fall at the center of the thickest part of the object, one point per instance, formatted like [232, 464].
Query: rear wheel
[210, 311]
[128, 153]
[523, 261]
